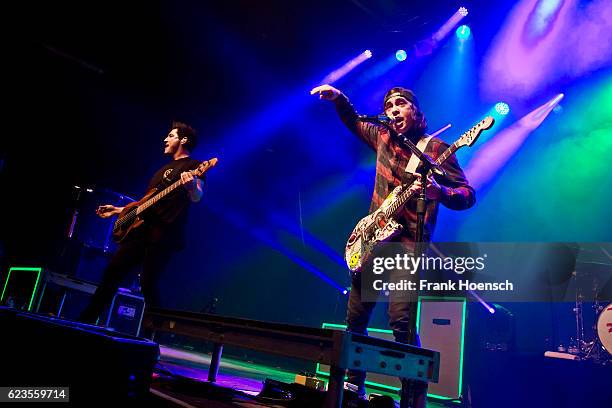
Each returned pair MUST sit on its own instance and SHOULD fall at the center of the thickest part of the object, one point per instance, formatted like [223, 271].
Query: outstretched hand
[326, 92]
[106, 211]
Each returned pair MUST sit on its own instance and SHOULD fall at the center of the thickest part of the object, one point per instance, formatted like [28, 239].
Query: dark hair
[184, 130]
[420, 122]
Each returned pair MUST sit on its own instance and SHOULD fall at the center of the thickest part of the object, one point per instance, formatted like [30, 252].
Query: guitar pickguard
[371, 230]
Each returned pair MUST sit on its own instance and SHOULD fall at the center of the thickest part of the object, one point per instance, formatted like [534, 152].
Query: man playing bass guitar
[161, 232]
[400, 105]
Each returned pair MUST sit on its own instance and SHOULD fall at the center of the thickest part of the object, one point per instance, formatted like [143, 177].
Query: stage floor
[243, 376]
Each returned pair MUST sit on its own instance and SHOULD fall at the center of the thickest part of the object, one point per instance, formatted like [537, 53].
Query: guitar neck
[151, 201]
[407, 194]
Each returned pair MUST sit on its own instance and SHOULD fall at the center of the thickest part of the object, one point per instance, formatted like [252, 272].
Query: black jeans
[132, 252]
[402, 319]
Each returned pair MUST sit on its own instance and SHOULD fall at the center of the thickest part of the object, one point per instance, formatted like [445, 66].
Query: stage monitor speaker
[97, 364]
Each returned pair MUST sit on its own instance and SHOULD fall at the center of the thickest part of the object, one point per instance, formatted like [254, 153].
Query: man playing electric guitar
[453, 191]
[161, 233]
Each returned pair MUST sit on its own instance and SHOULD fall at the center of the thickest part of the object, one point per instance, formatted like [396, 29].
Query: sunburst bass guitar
[381, 225]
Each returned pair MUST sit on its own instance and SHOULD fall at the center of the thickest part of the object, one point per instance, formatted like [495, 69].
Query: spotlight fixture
[463, 11]
[502, 108]
[367, 53]
[463, 32]
[400, 55]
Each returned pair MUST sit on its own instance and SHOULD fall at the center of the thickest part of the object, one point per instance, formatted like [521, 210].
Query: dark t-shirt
[167, 218]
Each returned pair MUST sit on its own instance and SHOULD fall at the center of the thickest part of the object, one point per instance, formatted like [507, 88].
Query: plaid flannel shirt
[391, 161]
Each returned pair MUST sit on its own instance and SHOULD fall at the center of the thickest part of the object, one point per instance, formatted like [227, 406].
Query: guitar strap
[414, 161]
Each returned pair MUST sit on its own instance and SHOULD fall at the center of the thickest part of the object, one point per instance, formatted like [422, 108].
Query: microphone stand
[408, 394]
[427, 165]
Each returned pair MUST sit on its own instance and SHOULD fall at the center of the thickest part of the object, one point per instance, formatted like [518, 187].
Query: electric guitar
[381, 226]
[130, 218]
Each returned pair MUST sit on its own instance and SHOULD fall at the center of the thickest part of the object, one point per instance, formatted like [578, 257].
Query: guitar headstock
[469, 137]
[205, 166]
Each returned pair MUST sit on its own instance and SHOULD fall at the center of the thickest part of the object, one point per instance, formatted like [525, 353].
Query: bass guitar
[130, 218]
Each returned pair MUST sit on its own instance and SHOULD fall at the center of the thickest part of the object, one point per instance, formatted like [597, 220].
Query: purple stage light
[482, 302]
[346, 68]
[448, 26]
[544, 42]
[498, 151]
[463, 11]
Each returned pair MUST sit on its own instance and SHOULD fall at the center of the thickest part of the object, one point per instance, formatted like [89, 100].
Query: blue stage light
[463, 11]
[400, 55]
[463, 32]
[502, 108]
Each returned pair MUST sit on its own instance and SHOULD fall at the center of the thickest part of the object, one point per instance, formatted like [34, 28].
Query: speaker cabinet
[441, 325]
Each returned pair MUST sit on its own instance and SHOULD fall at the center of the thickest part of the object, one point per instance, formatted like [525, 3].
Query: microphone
[382, 118]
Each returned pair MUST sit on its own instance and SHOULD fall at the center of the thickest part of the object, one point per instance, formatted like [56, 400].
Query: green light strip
[5, 284]
[343, 327]
[462, 346]
[27, 269]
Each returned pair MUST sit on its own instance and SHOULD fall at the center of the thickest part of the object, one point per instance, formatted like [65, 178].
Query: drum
[604, 328]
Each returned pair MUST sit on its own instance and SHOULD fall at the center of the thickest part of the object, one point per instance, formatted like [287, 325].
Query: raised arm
[348, 115]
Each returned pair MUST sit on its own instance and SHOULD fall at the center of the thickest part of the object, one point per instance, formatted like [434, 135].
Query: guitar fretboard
[165, 192]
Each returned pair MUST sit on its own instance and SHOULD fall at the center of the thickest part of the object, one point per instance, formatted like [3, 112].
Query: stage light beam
[447, 27]
[346, 68]
[498, 151]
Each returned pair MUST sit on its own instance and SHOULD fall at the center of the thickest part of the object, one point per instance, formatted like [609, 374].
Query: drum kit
[593, 279]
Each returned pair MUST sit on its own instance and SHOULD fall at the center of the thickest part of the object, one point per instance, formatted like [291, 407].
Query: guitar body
[128, 220]
[371, 231]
